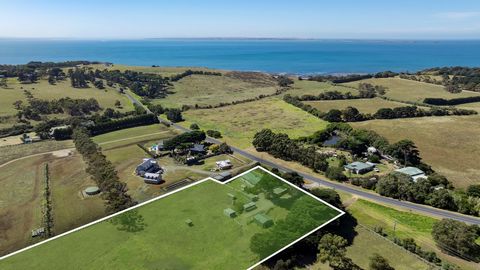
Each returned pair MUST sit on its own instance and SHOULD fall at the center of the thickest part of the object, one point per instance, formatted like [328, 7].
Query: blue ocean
[279, 56]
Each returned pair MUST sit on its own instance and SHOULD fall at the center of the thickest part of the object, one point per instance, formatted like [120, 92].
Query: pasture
[304, 87]
[239, 123]
[158, 233]
[43, 90]
[406, 224]
[11, 152]
[370, 105]
[449, 144]
[205, 90]
[411, 91]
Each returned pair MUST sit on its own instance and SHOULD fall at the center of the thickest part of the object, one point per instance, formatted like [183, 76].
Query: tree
[214, 134]
[394, 185]
[453, 88]
[474, 191]
[332, 249]
[351, 114]
[224, 148]
[406, 151]
[442, 199]
[174, 115]
[194, 127]
[328, 195]
[333, 115]
[118, 104]
[335, 173]
[3, 82]
[378, 262]
[294, 178]
[454, 237]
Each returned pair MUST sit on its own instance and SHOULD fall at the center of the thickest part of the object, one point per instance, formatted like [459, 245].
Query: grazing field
[303, 87]
[366, 243]
[185, 230]
[71, 209]
[370, 105]
[406, 224]
[239, 123]
[449, 144]
[163, 71]
[411, 91]
[8, 153]
[43, 90]
[204, 90]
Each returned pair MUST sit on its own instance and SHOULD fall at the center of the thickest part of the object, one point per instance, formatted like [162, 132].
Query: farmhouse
[197, 149]
[358, 167]
[413, 172]
[224, 164]
[149, 165]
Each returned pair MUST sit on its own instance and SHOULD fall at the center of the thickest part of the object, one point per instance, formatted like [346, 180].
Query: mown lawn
[449, 144]
[239, 123]
[156, 235]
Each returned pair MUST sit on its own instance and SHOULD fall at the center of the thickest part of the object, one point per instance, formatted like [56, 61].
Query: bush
[194, 127]
[214, 134]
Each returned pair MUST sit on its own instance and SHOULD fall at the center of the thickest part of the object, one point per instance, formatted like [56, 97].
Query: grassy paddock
[156, 234]
[302, 87]
[12, 152]
[207, 90]
[412, 91]
[406, 223]
[239, 123]
[450, 144]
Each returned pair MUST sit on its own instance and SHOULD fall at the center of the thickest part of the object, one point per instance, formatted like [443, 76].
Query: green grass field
[363, 105]
[43, 90]
[156, 234]
[239, 123]
[207, 90]
[412, 91]
[407, 224]
[449, 144]
[303, 87]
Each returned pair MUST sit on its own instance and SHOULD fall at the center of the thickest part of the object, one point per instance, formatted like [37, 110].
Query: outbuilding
[249, 206]
[358, 167]
[229, 212]
[413, 172]
[263, 220]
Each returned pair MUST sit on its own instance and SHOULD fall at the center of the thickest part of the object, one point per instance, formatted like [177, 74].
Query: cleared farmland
[239, 123]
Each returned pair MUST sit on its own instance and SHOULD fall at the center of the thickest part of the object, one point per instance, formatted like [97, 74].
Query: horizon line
[243, 38]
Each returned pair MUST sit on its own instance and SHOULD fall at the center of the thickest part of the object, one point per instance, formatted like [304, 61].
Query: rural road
[439, 213]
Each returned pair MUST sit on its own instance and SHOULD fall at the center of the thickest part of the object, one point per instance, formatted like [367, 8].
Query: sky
[339, 19]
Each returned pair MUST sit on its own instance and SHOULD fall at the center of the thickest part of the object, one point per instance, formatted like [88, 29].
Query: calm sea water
[289, 56]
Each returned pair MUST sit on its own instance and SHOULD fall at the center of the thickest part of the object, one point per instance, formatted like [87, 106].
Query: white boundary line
[180, 189]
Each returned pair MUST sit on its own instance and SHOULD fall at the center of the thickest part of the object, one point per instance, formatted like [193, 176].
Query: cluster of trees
[284, 81]
[352, 114]
[190, 72]
[214, 134]
[457, 238]
[463, 77]
[122, 123]
[16, 129]
[174, 115]
[187, 137]
[351, 77]
[143, 84]
[281, 146]
[102, 172]
[423, 78]
[435, 190]
[451, 102]
[73, 107]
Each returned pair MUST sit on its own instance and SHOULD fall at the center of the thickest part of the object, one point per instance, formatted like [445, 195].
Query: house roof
[262, 218]
[357, 165]
[198, 148]
[412, 171]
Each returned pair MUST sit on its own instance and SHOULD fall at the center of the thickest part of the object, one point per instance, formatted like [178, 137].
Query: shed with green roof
[263, 220]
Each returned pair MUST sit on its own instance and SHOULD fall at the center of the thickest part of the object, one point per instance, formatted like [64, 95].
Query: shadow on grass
[130, 221]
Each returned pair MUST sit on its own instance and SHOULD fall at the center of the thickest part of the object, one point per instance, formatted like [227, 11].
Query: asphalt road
[349, 189]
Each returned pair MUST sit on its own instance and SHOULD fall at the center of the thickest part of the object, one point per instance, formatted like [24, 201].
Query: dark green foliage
[281, 146]
[103, 172]
[73, 107]
[378, 262]
[328, 195]
[194, 127]
[189, 72]
[456, 238]
[174, 115]
[214, 134]
[224, 149]
[122, 123]
[16, 129]
[333, 115]
[188, 137]
[406, 151]
[474, 190]
[156, 109]
[332, 249]
[284, 81]
[62, 133]
[294, 178]
[451, 102]
[335, 173]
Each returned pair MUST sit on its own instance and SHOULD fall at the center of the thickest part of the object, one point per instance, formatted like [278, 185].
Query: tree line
[122, 123]
[451, 102]
[103, 172]
[73, 107]
[190, 72]
[351, 77]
